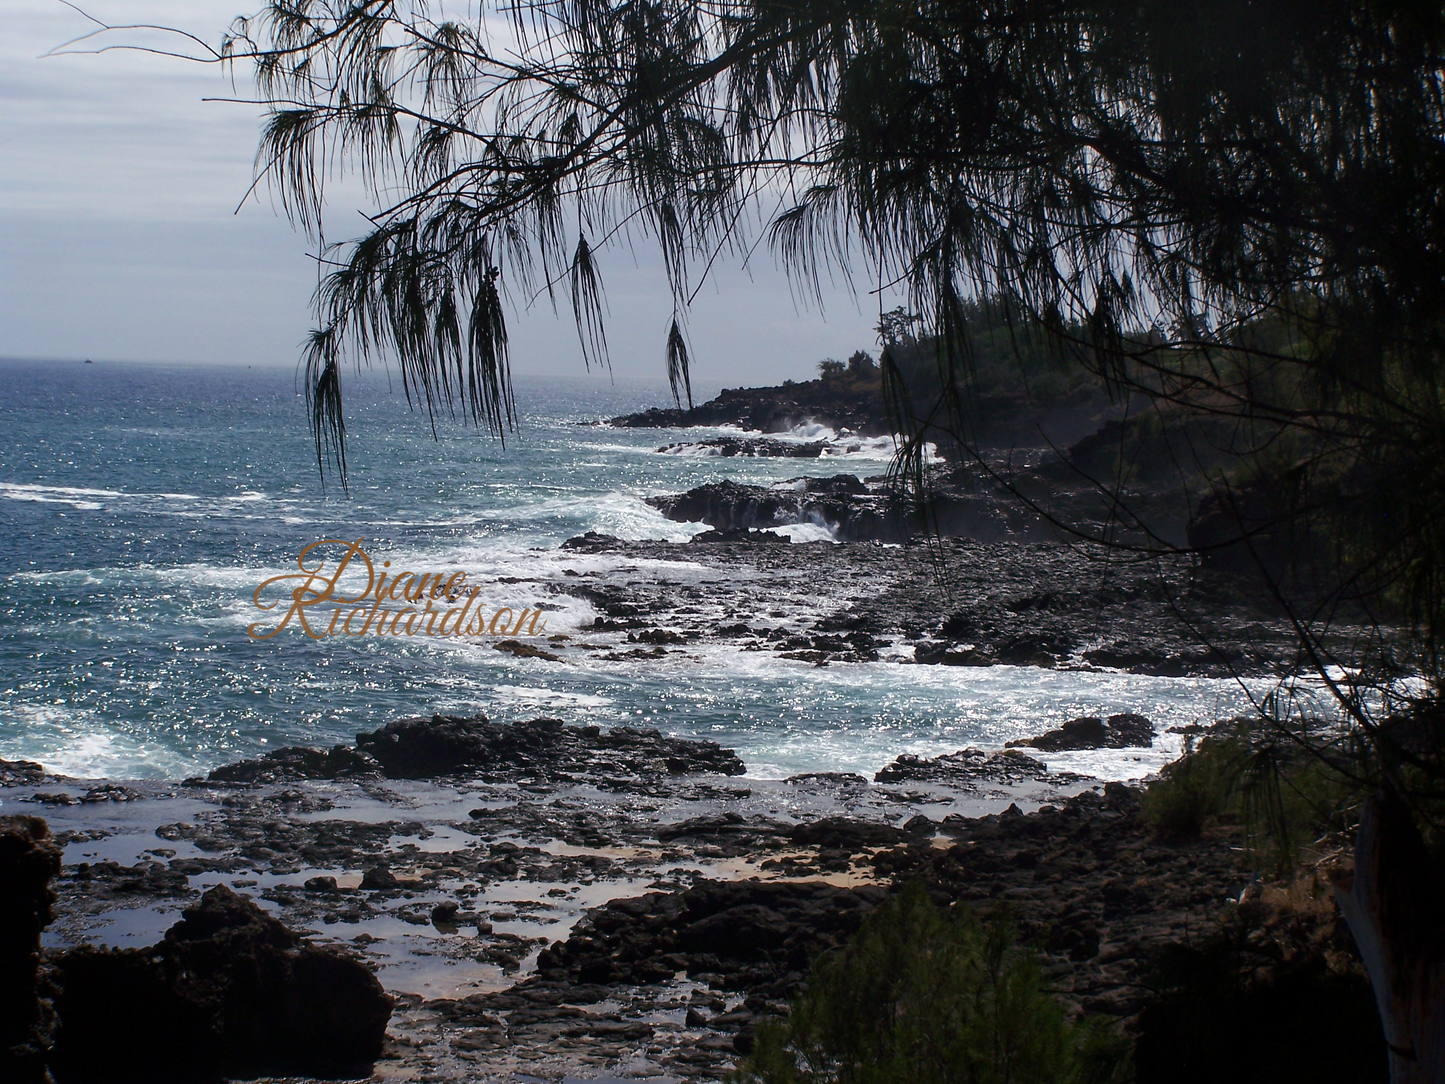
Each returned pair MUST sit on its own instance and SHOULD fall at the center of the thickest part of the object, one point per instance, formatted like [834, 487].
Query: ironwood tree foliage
[1229, 212]
[1230, 209]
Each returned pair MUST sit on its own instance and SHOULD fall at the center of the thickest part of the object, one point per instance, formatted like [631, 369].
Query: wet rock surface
[529, 928]
[960, 603]
[541, 750]
[545, 748]
[727, 447]
[967, 767]
[29, 859]
[229, 993]
[14, 773]
[299, 762]
[842, 503]
[454, 889]
[1123, 731]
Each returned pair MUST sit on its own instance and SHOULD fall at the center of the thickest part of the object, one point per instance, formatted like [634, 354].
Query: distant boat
[89, 362]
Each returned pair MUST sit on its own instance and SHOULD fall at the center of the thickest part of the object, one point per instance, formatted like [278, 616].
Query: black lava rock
[542, 748]
[298, 762]
[28, 859]
[229, 993]
[1124, 731]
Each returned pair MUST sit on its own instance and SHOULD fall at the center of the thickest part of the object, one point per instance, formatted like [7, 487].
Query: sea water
[140, 506]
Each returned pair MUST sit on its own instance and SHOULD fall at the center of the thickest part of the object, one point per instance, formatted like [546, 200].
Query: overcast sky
[120, 236]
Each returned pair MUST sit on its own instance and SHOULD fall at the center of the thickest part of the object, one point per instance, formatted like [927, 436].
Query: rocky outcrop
[229, 993]
[752, 447]
[842, 503]
[20, 773]
[29, 858]
[299, 762]
[543, 749]
[966, 768]
[1086, 883]
[449, 745]
[960, 506]
[1124, 731]
[742, 935]
[840, 404]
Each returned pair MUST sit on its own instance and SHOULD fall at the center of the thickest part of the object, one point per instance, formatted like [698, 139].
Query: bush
[1196, 788]
[920, 998]
[1260, 777]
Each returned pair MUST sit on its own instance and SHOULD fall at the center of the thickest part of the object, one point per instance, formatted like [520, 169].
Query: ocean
[141, 505]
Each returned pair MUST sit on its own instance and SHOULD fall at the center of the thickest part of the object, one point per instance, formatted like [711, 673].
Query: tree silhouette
[1230, 213]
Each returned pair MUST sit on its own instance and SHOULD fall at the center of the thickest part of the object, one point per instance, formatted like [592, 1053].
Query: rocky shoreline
[960, 603]
[512, 900]
[635, 904]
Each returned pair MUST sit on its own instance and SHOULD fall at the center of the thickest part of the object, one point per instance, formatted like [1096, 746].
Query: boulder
[229, 993]
[760, 447]
[1123, 731]
[744, 934]
[965, 769]
[28, 859]
[19, 773]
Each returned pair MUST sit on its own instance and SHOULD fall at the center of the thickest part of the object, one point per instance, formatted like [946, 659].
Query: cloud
[118, 236]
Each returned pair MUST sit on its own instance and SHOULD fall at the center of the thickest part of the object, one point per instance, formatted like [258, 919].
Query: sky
[125, 233]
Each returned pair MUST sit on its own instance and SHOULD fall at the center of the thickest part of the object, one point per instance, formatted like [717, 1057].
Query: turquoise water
[141, 505]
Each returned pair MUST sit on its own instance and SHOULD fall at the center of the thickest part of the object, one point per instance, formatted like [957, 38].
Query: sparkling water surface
[141, 505]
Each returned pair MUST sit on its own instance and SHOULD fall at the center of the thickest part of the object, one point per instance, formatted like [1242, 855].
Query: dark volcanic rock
[727, 447]
[1091, 887]
[742, 535]
[966, 768]
[592, 542]
[846, 833]
[844, 404]
[19, 773]
[230, 992]
[1147, 659]
[28, 859]
[1122, 731]
[745, 935]
[842, 503]
[728, 834]
[298, 762]
[542, 749]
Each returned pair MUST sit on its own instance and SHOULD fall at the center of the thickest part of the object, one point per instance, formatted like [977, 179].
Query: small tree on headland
[861, 365]
[830, 369]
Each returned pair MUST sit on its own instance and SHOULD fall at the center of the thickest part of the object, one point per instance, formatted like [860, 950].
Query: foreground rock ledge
[28, 859]
[229, 993]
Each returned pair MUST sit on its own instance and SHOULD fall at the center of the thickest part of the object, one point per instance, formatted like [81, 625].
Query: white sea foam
[139, 662]
[805, 532]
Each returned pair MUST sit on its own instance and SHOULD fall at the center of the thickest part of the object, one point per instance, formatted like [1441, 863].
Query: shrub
[922, 998]
[1284, 798]
[1195, 788]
